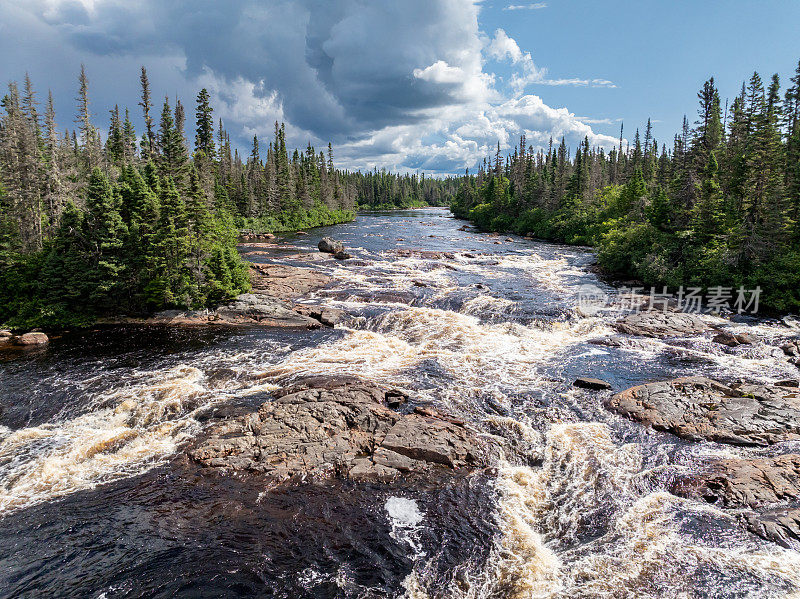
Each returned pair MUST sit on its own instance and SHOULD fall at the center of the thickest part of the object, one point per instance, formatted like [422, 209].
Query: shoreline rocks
[339, 426]
[697, 408]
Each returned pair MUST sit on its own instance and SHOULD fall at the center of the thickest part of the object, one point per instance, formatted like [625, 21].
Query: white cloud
[534, 6]
[386, 90]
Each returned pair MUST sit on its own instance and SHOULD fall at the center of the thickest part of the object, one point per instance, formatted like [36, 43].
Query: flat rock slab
[286, 282]
[769, 487]
[662, 324]
[697, 408]
[342, 426]
[263, 310]
[744, 483]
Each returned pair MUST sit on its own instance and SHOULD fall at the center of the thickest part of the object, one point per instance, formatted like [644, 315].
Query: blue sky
[657, 53]
[428, 85]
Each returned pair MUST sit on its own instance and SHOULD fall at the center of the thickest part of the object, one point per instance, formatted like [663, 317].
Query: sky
[408, 85]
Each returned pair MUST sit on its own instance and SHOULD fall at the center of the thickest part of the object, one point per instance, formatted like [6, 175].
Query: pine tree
[104, 234]
[204, 139]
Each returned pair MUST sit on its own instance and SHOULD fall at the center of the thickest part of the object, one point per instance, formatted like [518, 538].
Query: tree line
[719, 207]
[135, 223]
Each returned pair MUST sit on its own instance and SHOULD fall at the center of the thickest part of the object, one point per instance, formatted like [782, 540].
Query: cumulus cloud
[403, 84]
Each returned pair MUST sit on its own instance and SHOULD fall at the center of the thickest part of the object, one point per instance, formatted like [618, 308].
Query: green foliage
[721, 209]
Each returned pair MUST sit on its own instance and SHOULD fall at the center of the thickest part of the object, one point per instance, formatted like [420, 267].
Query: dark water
[97, 500]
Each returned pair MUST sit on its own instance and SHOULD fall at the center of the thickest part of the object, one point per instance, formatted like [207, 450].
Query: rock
[330, 246]
[342, 255]
[732, 340]
[426, 254]
[791, 347]
[744, 483]
[329, 317]
[593, 384]
[343, 426]
[780, 525]
[606, 341]
[6, 337]
[697, 408]
[264, 310]
[286, 282]
[32, 339]
[662, 324]
[300, 233]
[509, 239]
[788, 383]
[758, 485]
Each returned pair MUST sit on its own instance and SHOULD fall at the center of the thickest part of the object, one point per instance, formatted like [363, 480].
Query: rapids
[97, 500]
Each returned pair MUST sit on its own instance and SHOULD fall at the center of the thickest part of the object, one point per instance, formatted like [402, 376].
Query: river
[97, 499]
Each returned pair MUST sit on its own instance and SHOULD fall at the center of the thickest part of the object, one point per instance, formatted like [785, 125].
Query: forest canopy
[720, 207]
[139, 222]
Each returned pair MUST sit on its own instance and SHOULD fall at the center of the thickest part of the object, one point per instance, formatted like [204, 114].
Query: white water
[586, 522]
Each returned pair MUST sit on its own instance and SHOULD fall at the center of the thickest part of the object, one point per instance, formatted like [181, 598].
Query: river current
[97, 499]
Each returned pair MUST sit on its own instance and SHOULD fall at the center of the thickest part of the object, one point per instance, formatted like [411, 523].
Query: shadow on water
[177, 532]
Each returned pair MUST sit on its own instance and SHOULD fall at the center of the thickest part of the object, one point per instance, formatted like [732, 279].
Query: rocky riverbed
[435, 416]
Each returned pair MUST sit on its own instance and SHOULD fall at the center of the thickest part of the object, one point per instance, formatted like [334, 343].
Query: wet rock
[426, 254]
[733, 340]
[788, 383]
[593, 384]
[342, 255]
[662, 324]
[509, 239]
[697, 408]
[330, 246]
[300, 233]
[329, 317]
[606, 341]
[6, 337]
[780, 525]
[757, 484]
[744, 483]
[264, 310]
[338, 426]
[791, 348]
[285, 282]
[32, 339]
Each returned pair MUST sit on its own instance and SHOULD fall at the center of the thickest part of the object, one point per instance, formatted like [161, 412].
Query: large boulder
[697, 408]
[662, 324]
[32, 339]
[6, 337]
[338, 426]
[330, 246]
